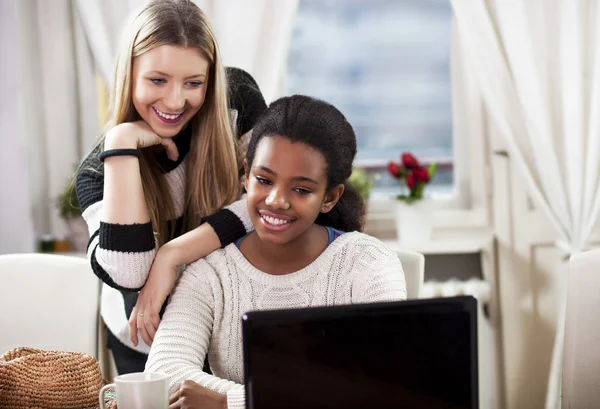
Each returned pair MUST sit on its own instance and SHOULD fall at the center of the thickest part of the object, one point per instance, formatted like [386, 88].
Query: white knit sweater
[204, 314]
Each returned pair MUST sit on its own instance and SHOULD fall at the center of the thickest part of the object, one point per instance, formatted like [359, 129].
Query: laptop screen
[413, 354]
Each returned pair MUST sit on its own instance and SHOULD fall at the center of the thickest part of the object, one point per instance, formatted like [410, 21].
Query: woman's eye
[302, 191]
[195, 84]
[157, 81]
[262, 181]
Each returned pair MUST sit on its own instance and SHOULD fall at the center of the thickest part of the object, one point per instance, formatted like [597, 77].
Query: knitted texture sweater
[204, 314]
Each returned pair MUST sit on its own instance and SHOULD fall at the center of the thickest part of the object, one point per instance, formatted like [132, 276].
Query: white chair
[581, 358]
[48, 302]
[413, 264]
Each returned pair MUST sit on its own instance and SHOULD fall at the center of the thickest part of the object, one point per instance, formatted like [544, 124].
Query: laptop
[411, 354]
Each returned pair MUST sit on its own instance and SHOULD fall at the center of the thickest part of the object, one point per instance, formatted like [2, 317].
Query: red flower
[421, 175]
[410, 181]
[394, 169]
[409, 161]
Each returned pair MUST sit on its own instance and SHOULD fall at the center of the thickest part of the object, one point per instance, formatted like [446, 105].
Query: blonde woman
[166, 163]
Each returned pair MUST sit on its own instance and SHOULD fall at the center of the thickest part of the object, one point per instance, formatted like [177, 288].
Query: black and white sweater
[121, 255]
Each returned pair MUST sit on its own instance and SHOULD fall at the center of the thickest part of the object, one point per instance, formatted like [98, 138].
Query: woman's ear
[332, 197]
[246, 174]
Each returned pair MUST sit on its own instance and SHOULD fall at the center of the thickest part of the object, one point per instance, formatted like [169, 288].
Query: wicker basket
[32, 378]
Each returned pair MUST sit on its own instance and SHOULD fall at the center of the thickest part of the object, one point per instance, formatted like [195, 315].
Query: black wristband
[120, 152]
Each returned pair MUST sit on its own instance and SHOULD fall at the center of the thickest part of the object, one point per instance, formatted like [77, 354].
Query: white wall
[16, 224]
[49, 115]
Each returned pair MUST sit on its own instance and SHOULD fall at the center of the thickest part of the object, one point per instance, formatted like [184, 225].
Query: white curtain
[49, 112]
[102, 21]
[16, 231]
[252, 35]
[537, 63]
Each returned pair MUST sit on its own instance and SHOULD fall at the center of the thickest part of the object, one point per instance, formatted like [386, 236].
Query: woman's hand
[137, 135]
[145, 315]
[190, 395]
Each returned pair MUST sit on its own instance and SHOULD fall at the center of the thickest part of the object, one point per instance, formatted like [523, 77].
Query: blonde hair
[212, 171]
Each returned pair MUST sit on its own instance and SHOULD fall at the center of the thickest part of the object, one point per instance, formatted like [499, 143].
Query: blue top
[331, 232]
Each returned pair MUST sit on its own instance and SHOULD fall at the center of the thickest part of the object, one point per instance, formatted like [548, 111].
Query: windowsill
[449, 213]
[452, 242]
[455, 230]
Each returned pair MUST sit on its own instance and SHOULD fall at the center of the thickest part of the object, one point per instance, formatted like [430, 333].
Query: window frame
[469, 204]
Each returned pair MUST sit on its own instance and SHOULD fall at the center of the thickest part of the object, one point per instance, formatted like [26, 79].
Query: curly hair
[323, 127]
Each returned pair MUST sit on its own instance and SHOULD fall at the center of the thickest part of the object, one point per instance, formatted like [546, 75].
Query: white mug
[139, 391]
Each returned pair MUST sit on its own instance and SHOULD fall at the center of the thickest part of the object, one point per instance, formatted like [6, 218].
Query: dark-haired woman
[303, 252]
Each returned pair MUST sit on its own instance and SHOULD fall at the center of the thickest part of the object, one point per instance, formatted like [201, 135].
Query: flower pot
[414, 220]
[78, 234]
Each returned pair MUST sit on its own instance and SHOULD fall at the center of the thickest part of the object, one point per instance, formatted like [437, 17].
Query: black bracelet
[120, 152]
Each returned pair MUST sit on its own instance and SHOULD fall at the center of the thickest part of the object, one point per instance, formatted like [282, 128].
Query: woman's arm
[231, 223]
[111, 196]
[124, 201]
[183, 339]
[221, 229]
[182, 250]
[120, 254]
[123, 191]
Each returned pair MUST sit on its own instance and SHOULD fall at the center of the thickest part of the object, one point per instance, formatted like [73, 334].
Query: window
[386, 65]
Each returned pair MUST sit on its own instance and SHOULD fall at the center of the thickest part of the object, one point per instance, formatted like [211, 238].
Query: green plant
[362, 181]
[67, 203]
